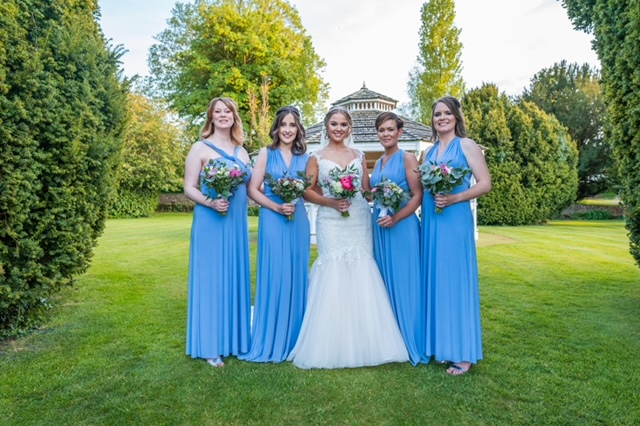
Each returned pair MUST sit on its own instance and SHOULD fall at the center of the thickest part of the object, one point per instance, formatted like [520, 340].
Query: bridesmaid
[218, 321]
[283, 244]
[449, 262]
[397, 236]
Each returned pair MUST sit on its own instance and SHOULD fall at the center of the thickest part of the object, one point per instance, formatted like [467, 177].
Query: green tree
[616, 26]
[572, 93]
[531, 157]
[62, 112]
[439, 67]
[227, 48]
[151, 161]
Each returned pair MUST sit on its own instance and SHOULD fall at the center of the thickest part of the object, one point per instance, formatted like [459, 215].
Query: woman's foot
[459, 368]
[216, 362]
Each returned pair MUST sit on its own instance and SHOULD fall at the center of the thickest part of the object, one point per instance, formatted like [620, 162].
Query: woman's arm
[257, 179]
[193, 167]
[366, 181]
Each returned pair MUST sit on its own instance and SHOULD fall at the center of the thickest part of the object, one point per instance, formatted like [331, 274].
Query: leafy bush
[152, 160]
[134, 204]
[531, 158]
[62, 112]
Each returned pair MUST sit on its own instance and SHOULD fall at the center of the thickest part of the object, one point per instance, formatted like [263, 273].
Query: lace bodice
[343, 238]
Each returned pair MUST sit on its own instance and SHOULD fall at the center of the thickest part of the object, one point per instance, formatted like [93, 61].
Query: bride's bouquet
[343, 183]
[441, 178]
[223, 179]
[389, 196]
[290, 189]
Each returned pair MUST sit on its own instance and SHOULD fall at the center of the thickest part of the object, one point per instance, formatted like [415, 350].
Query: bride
[348, 321]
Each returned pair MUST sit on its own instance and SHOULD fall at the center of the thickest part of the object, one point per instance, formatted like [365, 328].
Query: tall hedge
[62, 111]
[616, 26]
[531, 157]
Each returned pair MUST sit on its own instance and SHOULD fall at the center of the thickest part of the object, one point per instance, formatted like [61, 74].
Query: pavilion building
[364, 106]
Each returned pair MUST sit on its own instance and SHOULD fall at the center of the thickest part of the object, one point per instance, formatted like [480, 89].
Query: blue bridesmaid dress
[450, 271]
[282, 271]
[397, 252]
[219, 312]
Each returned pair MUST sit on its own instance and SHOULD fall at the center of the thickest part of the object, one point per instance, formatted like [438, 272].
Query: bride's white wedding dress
[348, 320]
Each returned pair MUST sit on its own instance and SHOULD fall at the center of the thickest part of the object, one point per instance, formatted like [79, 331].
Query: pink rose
[347, 183]
[445, 170]
[235, 173]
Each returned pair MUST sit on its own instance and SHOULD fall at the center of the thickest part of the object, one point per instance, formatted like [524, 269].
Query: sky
[375, 42]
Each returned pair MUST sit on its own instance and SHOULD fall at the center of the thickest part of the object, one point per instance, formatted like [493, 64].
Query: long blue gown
[283, 266]
[397, 252]
[450, 271]
[219, 311]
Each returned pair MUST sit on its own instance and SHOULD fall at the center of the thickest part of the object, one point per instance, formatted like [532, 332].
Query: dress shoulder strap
[218, 150]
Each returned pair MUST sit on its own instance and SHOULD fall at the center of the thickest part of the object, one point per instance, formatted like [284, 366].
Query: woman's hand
[287, 209]
[387, 221]
[220, 205]
[443, 200]
[341, 204]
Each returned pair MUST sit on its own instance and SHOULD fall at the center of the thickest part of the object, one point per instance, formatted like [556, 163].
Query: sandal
[457, 370]
[216, 362]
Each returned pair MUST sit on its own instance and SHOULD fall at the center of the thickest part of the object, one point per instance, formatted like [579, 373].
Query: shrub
[593, 215]
[531, 158]
[62, 112]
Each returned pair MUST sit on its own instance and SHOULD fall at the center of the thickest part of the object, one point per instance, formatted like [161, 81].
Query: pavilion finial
[364, 86]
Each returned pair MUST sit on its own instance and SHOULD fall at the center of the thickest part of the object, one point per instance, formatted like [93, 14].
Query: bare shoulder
[198, 149]
[410, 158]
[469, 143]
[313, 158]
[358, 153]
[198, 145]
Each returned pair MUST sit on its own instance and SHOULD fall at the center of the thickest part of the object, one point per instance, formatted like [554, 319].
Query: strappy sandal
[216, 362]
[457, 370]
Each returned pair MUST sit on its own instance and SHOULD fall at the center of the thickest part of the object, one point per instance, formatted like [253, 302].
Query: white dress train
[348, 321]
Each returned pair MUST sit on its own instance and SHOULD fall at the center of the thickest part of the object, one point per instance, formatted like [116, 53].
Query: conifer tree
[616, 26]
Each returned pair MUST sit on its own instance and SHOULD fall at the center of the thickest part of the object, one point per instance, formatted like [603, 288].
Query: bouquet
[343, 183]
[289, 188]
[389, 196]
[223, 179]
[441, 178]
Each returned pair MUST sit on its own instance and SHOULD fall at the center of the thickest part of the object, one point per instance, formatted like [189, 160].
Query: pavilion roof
[364, 130]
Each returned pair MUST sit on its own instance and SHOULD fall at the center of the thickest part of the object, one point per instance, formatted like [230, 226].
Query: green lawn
[561, 318]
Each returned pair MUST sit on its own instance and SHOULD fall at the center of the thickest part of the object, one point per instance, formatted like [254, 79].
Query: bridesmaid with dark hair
[219, 280]
[449, 261]
[396, 236]
[283, 244]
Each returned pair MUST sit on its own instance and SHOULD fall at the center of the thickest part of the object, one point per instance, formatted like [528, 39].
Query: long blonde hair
[237, 132]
